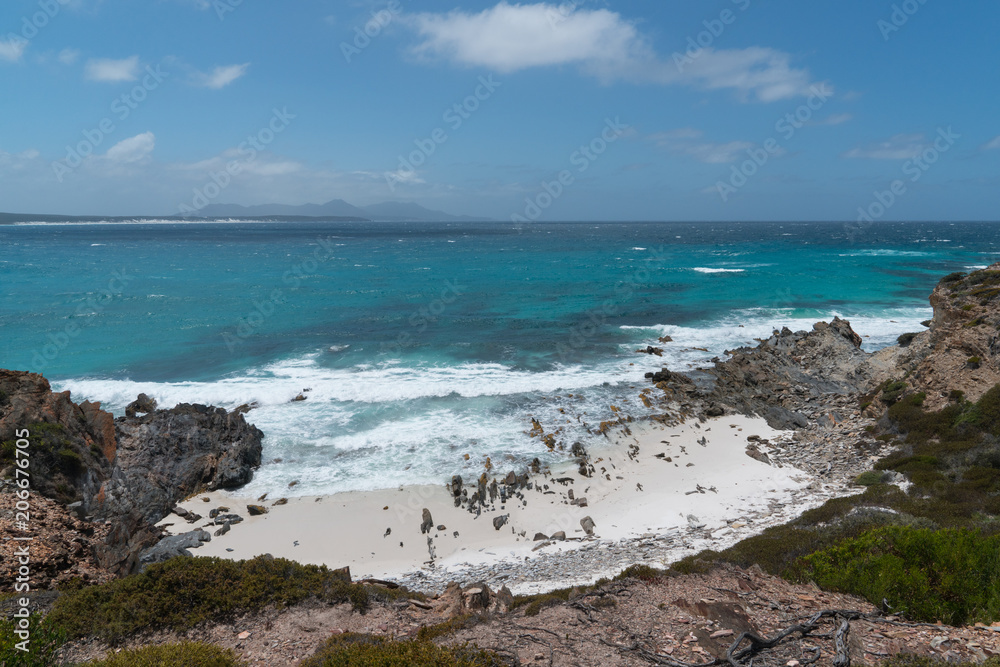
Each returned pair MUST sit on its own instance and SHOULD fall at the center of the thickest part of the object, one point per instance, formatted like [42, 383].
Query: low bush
[43, 643]
[186, 654]
[926, 575]
[357, 649]
[183, 592]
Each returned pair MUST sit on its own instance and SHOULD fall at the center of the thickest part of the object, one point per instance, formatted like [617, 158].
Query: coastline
[705, 491]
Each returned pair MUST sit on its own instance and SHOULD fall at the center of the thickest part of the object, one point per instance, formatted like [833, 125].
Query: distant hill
[337, 209]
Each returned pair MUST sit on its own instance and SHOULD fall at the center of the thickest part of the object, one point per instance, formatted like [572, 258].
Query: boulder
[142, 403]
[172, 547]
[256, 510]
[428, 522]
[500, 521]
[558, 536]
[587, 524]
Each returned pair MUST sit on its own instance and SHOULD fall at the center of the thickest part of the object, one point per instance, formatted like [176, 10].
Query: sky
[576, 110]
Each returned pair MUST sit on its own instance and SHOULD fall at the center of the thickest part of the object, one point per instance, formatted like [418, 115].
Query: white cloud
[899, 147]
[133, 149]
[12, 49]
[992, 145]
[683, 142]
[508, 38]
[222, 76]
[112, 71]
[836, 119]
[68, 56]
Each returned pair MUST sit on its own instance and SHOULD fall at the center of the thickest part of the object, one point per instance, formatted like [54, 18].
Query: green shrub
[892, 391]
[42, 647]
[870, 478]
[186, 654]
[355, 649]
[183, 592]
[974, 362]
[953, 277]
[947, 575]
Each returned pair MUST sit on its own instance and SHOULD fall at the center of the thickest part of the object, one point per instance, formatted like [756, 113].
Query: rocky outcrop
[127, 472]
[73, 447]
[168, 455]
[774, 378]
[961, 349]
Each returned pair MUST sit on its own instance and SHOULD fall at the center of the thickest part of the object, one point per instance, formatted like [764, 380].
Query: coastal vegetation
[183, 592]
[359, 649]
[184, 654]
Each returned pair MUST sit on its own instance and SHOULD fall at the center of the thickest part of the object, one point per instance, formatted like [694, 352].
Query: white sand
[349, 528]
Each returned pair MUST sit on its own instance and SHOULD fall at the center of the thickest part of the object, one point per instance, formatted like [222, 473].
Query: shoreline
[705, 491]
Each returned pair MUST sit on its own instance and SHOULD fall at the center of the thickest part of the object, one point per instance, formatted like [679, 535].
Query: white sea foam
[702, 269]
[885, 252]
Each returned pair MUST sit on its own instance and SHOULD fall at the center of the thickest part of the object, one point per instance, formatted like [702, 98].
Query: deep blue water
[421, 343]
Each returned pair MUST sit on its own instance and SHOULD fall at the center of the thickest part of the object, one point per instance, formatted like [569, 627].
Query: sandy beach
[663, 490]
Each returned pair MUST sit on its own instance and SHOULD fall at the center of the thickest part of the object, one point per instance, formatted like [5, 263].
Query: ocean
[418, 345]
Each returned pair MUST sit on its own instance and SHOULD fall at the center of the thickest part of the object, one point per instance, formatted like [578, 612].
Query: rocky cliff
[959, 351]
[127, 472]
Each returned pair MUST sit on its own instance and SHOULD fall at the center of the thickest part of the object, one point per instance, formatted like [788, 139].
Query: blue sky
[587, 110]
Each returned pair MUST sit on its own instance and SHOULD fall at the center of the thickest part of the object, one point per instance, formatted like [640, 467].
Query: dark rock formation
[128, 472]
[142, 403]
[175, 545]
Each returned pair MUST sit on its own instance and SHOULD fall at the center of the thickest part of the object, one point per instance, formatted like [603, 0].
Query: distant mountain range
[390, 211]
[338, 210]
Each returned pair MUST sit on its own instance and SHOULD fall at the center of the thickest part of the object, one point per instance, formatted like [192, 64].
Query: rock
[511, 479]
[225, 529]
[279, 502]
[456, 485]
[579, 502]
[500, 521]
[428, 522]
[558, 536]
[172, 547]
[442, 528]
[588, 525]
[142, 403]
[243, 635]
[694, 522]
[539, 537]
[666, 339]
[754, 452]
[299, 398]
[715, 410]
[256, 510]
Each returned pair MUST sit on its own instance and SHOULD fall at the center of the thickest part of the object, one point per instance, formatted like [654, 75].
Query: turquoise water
[422, 343]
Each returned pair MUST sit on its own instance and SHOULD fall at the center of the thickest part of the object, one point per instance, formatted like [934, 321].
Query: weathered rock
[428, 522]
[500, 521]
[173, 546]
[539, 537]
[559, 536]
[142, 403]
[256, 510]
[587, 524]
